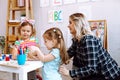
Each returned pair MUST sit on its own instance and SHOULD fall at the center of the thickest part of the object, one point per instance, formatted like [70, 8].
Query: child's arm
[31, 54]
[46, 57]
[14, 52]
[38, 45]
[37, 52]
[31, 57]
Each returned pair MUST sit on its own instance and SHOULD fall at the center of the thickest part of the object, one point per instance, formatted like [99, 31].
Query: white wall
[3, 12]
[101, 9]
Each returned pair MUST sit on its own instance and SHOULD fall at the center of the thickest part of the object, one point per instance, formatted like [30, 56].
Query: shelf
[10, 42]
[17, 9]
[12, 38]
[13, 24]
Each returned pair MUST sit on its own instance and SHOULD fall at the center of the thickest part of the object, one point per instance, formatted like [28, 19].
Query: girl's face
[26, 32]
[49, 44]
[71, 27]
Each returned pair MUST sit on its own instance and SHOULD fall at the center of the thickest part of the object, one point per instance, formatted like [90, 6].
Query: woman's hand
[64, 71]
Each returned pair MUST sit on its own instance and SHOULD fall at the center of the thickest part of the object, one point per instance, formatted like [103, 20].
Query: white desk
[22, 70]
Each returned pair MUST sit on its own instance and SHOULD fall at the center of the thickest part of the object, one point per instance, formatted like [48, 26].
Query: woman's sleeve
[90, 47]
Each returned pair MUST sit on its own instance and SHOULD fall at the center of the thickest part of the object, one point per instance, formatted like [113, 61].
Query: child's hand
[35, 52]
[32, 55]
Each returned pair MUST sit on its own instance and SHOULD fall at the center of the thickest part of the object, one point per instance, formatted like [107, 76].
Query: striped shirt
[31, 42]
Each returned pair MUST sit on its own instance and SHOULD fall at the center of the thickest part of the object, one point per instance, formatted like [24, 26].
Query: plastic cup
[7, 58]
[21, 59]
[10, 56]
[3, 56]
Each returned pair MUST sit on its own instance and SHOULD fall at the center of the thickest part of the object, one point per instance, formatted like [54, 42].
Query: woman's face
[72, 27]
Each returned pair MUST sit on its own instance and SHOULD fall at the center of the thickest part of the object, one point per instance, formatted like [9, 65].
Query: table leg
[23, 76]
[15, 76]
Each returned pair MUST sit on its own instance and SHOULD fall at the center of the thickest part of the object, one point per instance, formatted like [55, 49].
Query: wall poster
[99, 28]
[55, 16]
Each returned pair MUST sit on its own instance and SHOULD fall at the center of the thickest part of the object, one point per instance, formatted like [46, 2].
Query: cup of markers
[21, 57]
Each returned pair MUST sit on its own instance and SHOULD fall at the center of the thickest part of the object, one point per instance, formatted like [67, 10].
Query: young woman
[90, 60]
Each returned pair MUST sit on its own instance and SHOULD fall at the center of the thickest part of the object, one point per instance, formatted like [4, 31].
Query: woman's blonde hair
[56, 34]
[81, 25]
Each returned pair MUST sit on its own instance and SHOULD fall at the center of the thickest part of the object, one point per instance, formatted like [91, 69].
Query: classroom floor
[8, 76]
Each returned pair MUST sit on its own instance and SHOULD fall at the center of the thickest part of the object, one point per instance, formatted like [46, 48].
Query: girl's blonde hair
[56, 34]
[25, 24]
[81, 25]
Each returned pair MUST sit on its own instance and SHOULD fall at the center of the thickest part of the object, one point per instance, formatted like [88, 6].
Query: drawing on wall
[56, 2]
[55, 16]
[69, 1]
[99, 29]
[44, 3]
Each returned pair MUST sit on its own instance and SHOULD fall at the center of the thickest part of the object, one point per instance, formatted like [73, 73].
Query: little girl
[54, 42]
[27, 32]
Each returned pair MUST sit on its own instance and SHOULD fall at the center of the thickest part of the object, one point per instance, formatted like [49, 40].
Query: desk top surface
[12, 66]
